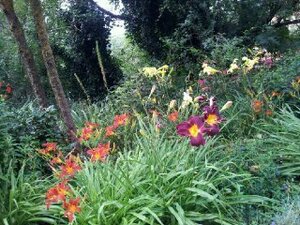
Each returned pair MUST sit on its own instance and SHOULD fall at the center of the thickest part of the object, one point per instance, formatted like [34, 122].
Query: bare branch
[288, 22]
[112, 15]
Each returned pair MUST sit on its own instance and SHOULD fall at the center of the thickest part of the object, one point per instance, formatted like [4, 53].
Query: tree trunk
[49, 62]
[26, 55]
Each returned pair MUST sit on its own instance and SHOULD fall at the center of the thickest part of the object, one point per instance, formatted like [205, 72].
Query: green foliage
[86, 25]
[163, 181]
[22, 199]
[223, 50]
[23, 130]
[31, 120]
[178, 29]
[290, 214]
[284, 134]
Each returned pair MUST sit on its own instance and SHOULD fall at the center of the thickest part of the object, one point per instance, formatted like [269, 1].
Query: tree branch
[112, 15]
[288, 22]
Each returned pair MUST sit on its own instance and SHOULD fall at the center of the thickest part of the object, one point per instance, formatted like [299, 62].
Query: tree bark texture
[26, 55]
[49, 61]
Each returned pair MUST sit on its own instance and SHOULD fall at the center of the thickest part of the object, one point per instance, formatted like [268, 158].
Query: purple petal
[199, 121]
[212, 130]
[197, 141]
[183, 128]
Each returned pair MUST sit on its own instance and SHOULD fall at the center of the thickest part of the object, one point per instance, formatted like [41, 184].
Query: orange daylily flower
[269, 112]
[87, 131]
[110, 130]
[120, 120]
[257, 105]
[173, 117]
[57, 193]
[70, 168]
[48, 147]
[57, 159]
[71, 207]
[86, 134]
[99, 153]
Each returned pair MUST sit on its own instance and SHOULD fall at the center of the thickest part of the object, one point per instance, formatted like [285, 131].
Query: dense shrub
[22, 132]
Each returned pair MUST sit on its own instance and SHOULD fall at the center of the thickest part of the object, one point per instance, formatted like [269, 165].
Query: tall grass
[163, 181]
[22, 200]
[284, 135]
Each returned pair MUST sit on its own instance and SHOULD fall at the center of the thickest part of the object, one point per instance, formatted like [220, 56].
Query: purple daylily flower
[212, 119]
[194, 129]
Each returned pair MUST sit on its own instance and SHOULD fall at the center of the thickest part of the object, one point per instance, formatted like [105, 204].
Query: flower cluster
[91, 134]
[100, 152]
[156, 72]
[259, 107]
[259, 58]
[65, 168]
[88, 131]
[197, 126]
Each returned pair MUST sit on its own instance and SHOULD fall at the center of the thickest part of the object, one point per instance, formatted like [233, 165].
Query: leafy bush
[222, 50]
[22, 132]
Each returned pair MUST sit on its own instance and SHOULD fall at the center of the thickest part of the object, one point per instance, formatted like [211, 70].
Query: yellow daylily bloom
[249, 63]
[163, 70]
[209, 70]
[233, 66]
[149, 71]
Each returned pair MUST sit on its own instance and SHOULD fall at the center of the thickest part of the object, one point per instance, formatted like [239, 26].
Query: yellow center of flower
[72, 208]
[62, 191]
[194, 130]
[97, 156]
[212, 119]
[69, 169]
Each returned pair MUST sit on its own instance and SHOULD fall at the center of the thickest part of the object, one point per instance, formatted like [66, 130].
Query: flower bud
[226, 106]
[172, 104]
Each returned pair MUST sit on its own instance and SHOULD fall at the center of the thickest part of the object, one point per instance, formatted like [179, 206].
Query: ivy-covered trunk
[26, 55]
[49, 62]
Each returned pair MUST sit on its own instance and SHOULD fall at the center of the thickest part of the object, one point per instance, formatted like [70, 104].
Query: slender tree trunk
[26, 55]
[49, 62]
